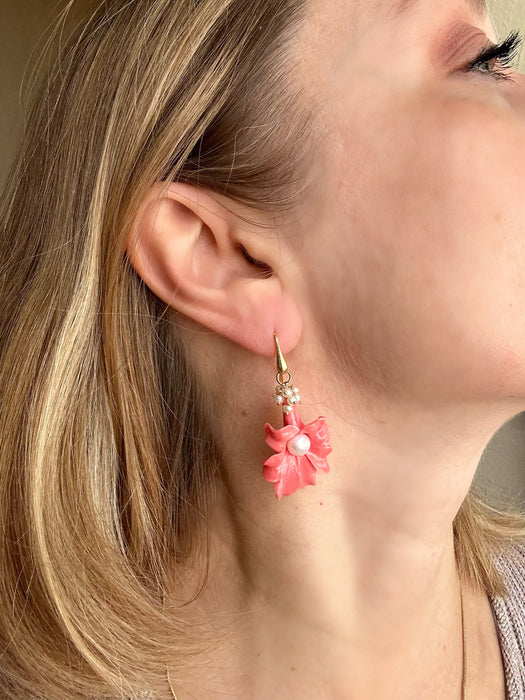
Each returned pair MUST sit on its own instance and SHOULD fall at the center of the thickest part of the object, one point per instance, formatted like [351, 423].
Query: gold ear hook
[282, 367]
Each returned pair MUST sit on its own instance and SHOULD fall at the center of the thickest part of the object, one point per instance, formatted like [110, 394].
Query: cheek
[423, 224]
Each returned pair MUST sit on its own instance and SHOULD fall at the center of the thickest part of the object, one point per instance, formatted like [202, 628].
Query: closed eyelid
[450, 45]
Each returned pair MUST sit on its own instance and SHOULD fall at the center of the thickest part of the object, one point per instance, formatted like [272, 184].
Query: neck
[320, 590]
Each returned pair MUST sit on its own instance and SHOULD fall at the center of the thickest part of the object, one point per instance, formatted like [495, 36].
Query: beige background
[22, 25]
[507, 15]
[22, 22]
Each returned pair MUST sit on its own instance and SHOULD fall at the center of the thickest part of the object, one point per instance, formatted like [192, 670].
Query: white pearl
[299, 445]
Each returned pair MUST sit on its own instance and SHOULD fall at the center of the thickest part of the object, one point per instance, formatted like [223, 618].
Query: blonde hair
[106, 456]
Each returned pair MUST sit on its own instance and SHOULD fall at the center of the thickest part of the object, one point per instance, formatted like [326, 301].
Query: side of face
[414, 223]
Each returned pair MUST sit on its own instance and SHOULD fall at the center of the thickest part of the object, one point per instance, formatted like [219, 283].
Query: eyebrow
[479, 7]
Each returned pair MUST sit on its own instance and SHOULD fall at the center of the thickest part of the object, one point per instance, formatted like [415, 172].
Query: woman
[211, 192]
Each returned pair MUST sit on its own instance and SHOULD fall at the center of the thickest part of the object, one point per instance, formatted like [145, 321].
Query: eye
[496, 59]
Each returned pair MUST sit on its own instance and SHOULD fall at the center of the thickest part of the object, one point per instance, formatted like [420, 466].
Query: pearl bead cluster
[287, 396]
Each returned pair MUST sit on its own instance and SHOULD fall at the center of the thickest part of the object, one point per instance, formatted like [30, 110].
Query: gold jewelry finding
[167, 669]
[169, 683]
[464, 635]
[282, 367]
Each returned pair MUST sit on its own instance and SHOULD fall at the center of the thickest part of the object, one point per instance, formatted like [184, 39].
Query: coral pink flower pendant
[301, 450]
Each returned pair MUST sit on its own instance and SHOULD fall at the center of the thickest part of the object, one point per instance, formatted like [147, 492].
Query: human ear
[205, 262]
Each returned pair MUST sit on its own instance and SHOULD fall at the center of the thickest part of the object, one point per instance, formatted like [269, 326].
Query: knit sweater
[509, 614]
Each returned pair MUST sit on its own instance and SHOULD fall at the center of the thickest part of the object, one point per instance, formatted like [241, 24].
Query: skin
[402, 273]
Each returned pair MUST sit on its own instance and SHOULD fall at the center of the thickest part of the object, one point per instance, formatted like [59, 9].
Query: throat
[291, 623]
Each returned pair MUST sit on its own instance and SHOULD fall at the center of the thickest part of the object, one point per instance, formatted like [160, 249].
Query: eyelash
[504, 55]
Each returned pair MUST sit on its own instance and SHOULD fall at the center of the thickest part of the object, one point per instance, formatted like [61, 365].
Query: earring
[301, 449]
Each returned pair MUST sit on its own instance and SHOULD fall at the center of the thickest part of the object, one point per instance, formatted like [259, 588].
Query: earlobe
[202, 260]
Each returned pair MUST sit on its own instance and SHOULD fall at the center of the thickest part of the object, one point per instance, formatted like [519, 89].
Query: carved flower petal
[282, 470]
[289, 483]
[318, 462]
[276, 465]
[319, 436]
[277, 439]
[308, 472]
